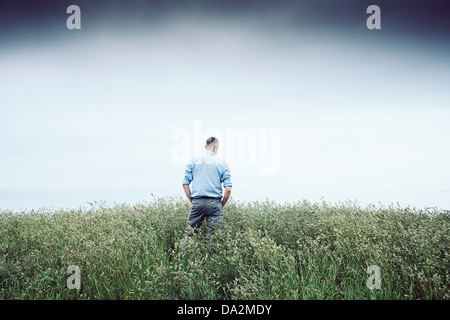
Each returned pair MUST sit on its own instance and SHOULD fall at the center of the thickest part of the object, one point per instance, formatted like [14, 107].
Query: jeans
[201, 208]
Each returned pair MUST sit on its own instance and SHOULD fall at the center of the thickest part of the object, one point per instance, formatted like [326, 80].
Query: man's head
[212, 144]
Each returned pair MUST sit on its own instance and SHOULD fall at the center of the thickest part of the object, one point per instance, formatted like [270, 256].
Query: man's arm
[226, 196]
[188, 177]
[187, 191]
[226, 179]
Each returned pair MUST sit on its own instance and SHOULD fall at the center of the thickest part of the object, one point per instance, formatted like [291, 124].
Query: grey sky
[358, 119]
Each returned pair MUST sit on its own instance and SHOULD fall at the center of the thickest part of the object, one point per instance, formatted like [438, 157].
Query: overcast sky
[340, 111]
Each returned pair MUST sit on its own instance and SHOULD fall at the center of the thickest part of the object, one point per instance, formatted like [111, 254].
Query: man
[207, 173]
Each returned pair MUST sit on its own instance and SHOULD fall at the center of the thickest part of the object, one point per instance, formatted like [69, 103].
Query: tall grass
[266, 250]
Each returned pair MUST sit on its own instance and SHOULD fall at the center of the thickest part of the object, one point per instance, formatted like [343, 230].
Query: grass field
[266, 250]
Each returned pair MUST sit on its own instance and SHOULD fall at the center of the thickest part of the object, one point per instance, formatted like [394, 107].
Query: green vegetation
[265, 251]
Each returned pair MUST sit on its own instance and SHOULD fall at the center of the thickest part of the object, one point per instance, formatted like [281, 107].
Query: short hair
[211, 142]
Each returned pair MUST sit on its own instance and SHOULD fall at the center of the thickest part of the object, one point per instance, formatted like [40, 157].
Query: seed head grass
[266, 250]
